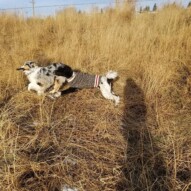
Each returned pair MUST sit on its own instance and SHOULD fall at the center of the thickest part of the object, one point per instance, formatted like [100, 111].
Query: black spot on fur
[40, 84]
[43, 70]
[65, 71]
[109, 81]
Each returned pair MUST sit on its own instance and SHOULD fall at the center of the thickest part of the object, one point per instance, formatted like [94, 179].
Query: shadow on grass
[144, 168]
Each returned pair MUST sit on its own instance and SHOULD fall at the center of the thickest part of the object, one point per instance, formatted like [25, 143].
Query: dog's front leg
[57, 85]
[36, 87]
[30, 87]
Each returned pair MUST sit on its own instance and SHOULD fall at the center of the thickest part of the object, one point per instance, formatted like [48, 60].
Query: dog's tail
[111, 75]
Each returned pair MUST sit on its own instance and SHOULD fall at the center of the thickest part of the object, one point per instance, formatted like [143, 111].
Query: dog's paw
[54, 95]
[51, 96]
[52, 92]
[57, 94]
[40, 93]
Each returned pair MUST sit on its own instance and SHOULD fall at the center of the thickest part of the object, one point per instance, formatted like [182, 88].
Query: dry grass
[83, 140]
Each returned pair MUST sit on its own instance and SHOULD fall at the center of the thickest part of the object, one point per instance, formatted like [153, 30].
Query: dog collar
[96, 82]
[71, 78]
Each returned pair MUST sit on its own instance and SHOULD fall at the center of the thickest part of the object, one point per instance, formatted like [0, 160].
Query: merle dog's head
[28, 65]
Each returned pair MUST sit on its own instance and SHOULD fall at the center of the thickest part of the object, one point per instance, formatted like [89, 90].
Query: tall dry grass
[82, 140]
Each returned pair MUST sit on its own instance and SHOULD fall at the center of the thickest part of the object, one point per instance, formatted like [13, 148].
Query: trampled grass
[82, 140]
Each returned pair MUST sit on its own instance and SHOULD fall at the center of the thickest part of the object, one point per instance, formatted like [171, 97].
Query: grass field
[82, 140]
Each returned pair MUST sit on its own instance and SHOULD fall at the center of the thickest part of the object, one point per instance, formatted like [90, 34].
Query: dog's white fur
[35, 78]
[40, 78]
[105, 87]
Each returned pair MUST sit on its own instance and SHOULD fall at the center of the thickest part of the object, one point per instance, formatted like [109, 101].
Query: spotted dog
[41, 78]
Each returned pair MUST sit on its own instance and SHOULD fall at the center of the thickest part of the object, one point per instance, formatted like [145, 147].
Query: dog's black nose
[20, 69]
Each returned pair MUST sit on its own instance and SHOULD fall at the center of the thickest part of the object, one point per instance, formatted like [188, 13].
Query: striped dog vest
[84, 80]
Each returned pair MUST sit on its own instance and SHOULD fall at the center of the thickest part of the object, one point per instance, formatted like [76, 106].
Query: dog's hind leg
[105, 89]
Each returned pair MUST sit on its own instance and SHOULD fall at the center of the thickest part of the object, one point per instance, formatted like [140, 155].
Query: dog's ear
[30, 64]
[64, 70]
